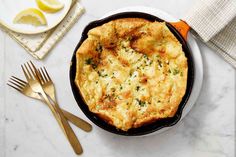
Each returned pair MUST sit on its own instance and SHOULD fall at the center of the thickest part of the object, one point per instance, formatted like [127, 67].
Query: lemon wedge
[31, 16]
[50, 6]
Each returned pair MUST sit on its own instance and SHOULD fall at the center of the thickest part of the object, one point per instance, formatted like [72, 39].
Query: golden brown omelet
[131, 72]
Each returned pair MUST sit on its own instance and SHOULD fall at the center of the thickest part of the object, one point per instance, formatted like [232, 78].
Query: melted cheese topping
[131, 72]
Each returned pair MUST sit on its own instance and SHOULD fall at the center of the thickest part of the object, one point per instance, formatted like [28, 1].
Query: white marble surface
[27, 128]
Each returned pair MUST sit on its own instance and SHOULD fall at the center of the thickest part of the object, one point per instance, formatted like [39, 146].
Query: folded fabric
[38, 45]
[214, 22]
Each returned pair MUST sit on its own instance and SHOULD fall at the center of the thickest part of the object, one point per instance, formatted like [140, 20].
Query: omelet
[131, 72]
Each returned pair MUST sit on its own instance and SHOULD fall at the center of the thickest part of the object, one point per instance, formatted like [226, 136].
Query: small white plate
[10, 8]
[195, 51]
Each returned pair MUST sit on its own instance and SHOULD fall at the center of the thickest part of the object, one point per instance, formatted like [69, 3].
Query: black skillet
[180, 34]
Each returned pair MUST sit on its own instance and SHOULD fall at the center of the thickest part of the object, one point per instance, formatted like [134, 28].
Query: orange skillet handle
[182, 28]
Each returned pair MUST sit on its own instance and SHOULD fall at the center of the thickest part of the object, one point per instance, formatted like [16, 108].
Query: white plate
[10, 8]
[197, 57]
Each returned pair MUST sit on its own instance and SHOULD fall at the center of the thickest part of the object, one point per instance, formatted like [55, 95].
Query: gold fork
[47, 83]
[24, 88]
[32, 77]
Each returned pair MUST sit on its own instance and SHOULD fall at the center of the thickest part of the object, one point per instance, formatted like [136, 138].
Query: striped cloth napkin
[39, 45]
[214, 22]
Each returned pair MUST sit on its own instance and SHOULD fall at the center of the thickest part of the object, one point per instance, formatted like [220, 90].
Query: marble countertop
[27, 127]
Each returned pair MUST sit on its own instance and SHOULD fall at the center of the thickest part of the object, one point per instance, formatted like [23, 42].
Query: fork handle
[77, 121]
[64, 125]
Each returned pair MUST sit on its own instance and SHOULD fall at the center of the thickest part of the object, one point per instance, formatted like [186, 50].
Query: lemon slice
[50, 6]
[31, 16]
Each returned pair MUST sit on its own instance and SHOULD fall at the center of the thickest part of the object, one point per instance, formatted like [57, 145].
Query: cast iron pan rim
[167, 122]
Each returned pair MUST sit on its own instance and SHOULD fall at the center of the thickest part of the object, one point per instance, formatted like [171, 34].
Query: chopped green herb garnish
[99, 48]
[150, 63]
[88, 61]
[94, 66]
[102, 75]
[130, 73]
[175, 71]
[137, 88]
[159, 63]
[110, 61]
[145, 56]
[140, 59]
[113, 95]
[181, 73]
[99, 73]
[113, 89]
[129, 38]
[141, 103]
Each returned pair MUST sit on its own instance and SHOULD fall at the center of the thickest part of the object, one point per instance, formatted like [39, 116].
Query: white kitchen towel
[214, 22]
[39, 45]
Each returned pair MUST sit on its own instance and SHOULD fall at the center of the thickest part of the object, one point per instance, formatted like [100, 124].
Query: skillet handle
[182, 27]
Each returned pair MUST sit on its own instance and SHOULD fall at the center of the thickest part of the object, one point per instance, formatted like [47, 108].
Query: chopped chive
[175, 71]
[99, 48]
[141, 103]
[159, 63]
[88, 61]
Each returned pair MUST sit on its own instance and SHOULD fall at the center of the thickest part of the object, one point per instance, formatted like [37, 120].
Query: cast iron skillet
[159, 124]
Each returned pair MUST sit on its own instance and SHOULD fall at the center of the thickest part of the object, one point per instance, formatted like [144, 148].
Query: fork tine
[16, 84]
[47, 74]
[41, 75]
[14, 87]
[44, 75]
[34, 70]
[32, 65]
[25, 73]
[21, 82]
[30, 70]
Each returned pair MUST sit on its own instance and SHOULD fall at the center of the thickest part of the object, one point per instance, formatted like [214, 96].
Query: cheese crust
[131, 72]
